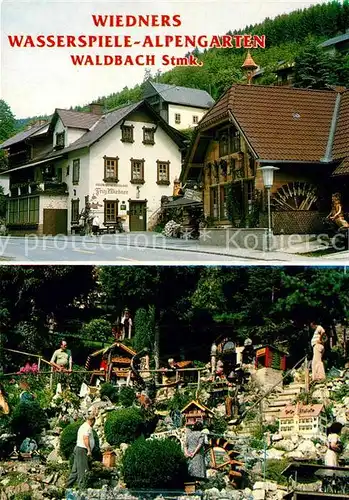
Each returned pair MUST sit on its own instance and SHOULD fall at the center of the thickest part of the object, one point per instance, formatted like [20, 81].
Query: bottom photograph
[174, 382]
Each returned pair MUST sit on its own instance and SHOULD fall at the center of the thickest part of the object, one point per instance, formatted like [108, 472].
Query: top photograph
[138, 136]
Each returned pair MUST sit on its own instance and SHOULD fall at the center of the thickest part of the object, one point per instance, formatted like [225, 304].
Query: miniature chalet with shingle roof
[305, 133]
[303, 420]
[195, 412]
[180, 107]
[119, 164]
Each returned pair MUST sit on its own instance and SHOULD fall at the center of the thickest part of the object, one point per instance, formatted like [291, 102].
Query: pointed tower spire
[249, 66]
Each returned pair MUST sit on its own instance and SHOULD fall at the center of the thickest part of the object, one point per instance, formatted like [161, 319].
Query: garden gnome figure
[127, 324]
[82, 453]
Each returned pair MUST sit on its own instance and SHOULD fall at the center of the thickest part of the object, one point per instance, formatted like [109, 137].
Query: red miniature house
[270, 357]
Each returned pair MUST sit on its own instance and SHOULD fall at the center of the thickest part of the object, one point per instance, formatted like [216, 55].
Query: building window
[111, 169]
[195, 119]
[34, 210]
[76, 171]
[60, 140]
[223, 145]
[110, 211]
[214, 202]
[75, 211]
[59, 174]
[163, 168]
[177, 118]
[223, 212]
[229, 141]
[148, 135]
[127, 133]
[137, 171]
[23, 211]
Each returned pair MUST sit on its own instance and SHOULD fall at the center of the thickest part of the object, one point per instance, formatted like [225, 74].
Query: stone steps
[278, 401]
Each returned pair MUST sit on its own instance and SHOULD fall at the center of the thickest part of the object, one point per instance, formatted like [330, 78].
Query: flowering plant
[29, 369]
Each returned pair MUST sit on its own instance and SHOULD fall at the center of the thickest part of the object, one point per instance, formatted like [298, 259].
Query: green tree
[7, 121]
[312, 68]
[144, 329]
[97, 329]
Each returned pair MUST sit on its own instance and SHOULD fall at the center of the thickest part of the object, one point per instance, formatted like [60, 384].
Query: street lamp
[268, 179]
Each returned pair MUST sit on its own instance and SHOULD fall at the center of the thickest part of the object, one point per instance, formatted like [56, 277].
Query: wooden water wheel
[223, 456]
[295, 196]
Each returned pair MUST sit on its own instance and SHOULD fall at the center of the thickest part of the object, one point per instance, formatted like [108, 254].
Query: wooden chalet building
[305, 133]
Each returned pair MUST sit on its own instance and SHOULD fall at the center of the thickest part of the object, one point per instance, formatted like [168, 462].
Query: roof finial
[250, 66]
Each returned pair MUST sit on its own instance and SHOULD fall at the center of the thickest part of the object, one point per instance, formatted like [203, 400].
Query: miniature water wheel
[295, 196]
[222, 456]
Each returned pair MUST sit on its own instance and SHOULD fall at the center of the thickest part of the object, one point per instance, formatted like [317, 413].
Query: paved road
[119, 249]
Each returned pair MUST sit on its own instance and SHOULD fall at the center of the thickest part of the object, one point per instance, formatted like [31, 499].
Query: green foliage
[7, 121]
[109, 391]
[154, 464]
[179, 400]
[340, 393]
[97, 329]
[218, 425]
[28, 420]
[67, 441]
[274, 469]
[127, 396]
[124, 426]
[144, 328]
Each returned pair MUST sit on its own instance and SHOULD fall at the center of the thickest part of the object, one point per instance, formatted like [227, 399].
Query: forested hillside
[287, 36]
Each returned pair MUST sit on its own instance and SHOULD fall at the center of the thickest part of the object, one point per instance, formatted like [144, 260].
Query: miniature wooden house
[270, 363]
[304, 420]
[270, 357]
[196, 412]
[113, 363]
[109, 458]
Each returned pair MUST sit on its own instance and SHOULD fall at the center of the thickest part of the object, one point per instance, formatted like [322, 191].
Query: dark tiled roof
[184, 95]
[343, 168]
[102, 126]
[280, 123]
[21, 136]
[77, 119]
[108, 121]
[335, 40]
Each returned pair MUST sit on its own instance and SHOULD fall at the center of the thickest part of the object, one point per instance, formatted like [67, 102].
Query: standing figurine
[317, 365]
[336, 214]
[213, 358]
[126, 322]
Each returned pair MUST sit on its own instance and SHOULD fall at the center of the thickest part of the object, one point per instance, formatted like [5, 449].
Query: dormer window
[127, 133]
[148, 135]
[60, 140]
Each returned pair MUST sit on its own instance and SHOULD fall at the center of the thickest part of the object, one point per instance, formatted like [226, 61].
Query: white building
[180, 107]
[303, 420]
[121, 163]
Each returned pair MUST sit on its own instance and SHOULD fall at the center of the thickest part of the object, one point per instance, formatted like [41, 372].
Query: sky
[35, 81]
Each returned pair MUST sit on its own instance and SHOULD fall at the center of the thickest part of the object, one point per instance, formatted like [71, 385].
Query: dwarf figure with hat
[126, 324]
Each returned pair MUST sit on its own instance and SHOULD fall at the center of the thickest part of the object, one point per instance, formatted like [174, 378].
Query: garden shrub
[218, 425]
[109, 391]
[124, 426]
[28, 420]
[154, 464]
[274, 468]
[127, 396]
[68, 439]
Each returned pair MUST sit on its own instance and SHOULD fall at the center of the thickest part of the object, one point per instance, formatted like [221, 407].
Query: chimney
[96, 108]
